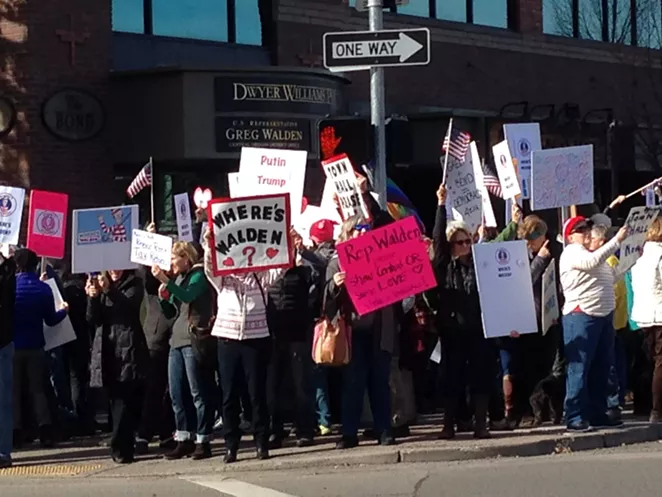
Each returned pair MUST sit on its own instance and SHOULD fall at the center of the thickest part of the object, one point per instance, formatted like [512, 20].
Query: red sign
[47, 224]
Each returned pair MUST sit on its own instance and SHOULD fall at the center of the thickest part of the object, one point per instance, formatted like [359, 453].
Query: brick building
[90, 90]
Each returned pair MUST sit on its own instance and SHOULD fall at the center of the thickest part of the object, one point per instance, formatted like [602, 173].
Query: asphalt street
[632, 471]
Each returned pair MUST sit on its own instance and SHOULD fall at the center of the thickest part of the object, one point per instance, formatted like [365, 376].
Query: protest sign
[464, 197]
[183, 214]
[101, 238]
[523, 139]
[267, 171]
[561, 177]
[340, 172]
[386, 265]
[47, 223]
[550, 298]
[506, 170]
[488, 212]
[250, 234]
[327, 204]
[151, 249]
[11, 213]
[639, 220]
[502, 269]
[201, 197]
[63, 332]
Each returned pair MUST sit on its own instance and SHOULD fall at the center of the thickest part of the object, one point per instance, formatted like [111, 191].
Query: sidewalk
[85, 458]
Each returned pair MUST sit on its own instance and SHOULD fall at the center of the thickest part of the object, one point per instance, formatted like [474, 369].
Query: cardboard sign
[502, 270]
[340, 172]
[250, 234]
[101, 238]
[550, 298]
[63, 332]
[523, 139]
[506, 170]
[639, 220]
[151, 249]
[464, 197]
[386, 265]
[11, 213]
[562, 177]
[183, 214]
[488, 212]
[47, 224]
[268, 171]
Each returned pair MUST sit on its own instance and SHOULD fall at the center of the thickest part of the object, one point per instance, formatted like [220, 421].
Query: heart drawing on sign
[272, 252]
[229, 262]
[202, 197]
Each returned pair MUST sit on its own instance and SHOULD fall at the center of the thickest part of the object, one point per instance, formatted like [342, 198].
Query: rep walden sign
[234, 133]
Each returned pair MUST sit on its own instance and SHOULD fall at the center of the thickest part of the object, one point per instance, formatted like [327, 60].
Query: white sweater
[587, 280]
[647, 287]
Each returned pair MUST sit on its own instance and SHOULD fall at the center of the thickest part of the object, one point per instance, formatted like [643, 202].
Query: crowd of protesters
[173, 356]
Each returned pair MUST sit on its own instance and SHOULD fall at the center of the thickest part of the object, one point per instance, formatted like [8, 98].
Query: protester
[468, 357]
[7, 303]
[34, 307]
[587, 282]
[119, 353]
[647, 306]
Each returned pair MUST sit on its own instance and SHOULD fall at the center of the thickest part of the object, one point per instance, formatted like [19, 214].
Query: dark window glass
[419, 8]
[491, 13]
[557, 17]
[198, 19]
[620, 21]
[590, 19]
[452, 10]
[649, 23]
[249, 27]
[128, 16]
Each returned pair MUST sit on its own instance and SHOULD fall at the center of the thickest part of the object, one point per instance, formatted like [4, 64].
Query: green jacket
[508, 234]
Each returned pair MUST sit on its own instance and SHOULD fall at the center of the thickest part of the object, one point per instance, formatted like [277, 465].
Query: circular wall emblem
[7, 205]
[502, 256]
[48, 223]
[524, 147]
[7, 116]
[73, 115]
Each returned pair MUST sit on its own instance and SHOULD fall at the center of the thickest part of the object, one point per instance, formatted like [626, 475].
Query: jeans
[368, 367]
[321, 381]
[249, 360]
[589, 343]
[618, 373]
[6, 412]
[30, 376]
[191, 388]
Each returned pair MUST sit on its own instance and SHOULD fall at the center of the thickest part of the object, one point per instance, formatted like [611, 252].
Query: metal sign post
[378, 107]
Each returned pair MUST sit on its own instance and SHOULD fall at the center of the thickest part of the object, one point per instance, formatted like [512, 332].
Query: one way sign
[355, 50]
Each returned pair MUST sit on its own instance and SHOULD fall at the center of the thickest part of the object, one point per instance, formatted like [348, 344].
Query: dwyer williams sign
[355, 50]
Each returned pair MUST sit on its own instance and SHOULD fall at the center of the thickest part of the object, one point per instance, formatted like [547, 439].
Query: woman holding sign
[468, 358]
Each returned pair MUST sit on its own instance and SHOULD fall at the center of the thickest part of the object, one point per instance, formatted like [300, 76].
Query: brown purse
[332, 340]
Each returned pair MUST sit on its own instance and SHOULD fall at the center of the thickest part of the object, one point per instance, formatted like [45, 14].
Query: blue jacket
[34, 306]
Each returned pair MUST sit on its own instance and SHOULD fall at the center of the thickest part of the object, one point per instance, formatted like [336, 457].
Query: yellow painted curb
[50, 470]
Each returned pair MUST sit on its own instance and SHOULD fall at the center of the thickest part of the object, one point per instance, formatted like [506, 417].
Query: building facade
[88, 93]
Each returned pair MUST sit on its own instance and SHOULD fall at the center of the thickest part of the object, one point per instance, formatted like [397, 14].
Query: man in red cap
[588, 332]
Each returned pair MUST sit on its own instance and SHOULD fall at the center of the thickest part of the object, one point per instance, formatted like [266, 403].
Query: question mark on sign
[249, 252]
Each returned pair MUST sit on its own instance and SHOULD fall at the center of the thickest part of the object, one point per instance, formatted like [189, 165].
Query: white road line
[235, 487]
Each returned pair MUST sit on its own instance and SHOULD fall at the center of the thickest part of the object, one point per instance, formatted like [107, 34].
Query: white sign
[550, 298]
[151, 249]
[523, 139]
[505, 288]
[183, 213]
[250, 234]
[273, 171]
[561, 177]
[63, 332]
[340, 172]
[11, 212]
[488, 212]
[639, 220]
[327, 204]
[506, 170]
[464, 197]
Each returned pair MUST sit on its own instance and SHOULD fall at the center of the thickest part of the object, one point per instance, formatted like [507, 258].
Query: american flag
[456, 143]
[142, 180]
[491, 182]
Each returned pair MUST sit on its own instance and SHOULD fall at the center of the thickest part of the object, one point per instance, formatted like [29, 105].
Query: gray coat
[119, 351]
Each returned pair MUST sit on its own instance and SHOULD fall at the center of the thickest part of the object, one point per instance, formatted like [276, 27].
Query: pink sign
[386, 265]
[47, 224]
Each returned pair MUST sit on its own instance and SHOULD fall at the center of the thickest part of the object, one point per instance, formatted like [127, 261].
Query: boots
[448, 433]
[509, 401]
[183, 449]
[480, 425]
[202, 451]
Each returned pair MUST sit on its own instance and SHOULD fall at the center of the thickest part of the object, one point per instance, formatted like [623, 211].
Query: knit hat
[322, 231]
[575, 224]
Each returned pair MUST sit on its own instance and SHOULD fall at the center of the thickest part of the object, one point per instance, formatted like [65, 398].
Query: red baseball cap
[322, 231]
[575, 225]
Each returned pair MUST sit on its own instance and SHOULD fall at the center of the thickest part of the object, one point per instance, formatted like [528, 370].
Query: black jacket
[74, 295]
[157, 327]
[459, 303]
[538, 267]
[119, 351]
[7, 298]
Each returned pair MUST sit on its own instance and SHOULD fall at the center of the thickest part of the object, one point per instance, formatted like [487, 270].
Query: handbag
[203, 343]
[332, 339]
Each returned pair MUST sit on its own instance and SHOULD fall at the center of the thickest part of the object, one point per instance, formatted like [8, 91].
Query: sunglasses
[362, 227]
[466, 242]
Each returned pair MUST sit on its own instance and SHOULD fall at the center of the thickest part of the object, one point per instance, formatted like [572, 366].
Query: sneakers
[324, 430]
[581, 427]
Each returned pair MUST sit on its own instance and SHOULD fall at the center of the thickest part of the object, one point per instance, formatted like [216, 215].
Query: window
[419, 8]
[128, 16]
[649, 24]
[235, 21]
[452, 10]
[557, 17]
[491, 13]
